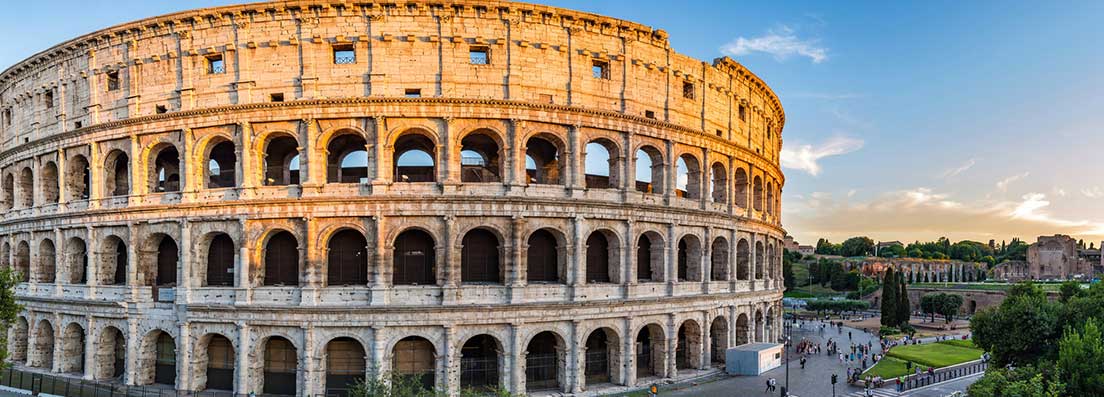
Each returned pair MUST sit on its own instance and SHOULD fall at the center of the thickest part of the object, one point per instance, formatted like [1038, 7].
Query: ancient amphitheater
[284, 198]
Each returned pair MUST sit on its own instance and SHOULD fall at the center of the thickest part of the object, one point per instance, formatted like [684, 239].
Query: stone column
[185, 281]
[517, 360]
[670, 346]
[243, 281]
[311, 264]
[628, 353]
[628, 265]
[246, 171]
[670, 174]
[183, 356]
[448, 155]
[576, 357]
[244, 363]
[89, 347]
[517, 275]
[575, 170]
[670, 276]
[382, 175]
[309, 363]
[95, 175]
[451, 362]
[577, 259]
[379, 365]
[381, 271]
[707, 341]
[706, 180]
[63, 188]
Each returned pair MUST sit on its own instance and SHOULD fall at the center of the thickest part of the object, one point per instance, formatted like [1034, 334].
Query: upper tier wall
[536, 54]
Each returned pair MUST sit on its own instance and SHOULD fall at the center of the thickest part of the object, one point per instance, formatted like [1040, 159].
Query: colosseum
[286, 198]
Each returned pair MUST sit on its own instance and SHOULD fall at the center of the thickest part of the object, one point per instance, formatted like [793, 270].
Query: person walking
[768, 386]
[803, 363]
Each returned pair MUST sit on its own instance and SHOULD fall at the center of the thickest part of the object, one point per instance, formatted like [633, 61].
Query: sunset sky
[905, 121]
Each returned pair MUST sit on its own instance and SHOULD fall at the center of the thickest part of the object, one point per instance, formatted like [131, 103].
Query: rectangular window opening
[276, 97]
[688, 90]
[159, 109]
[344, 54]
[413, 92]
[7, 117]
[479, 55]
[600, 70]
[77, 125]
[215, 64]
[720, 134]
[649, 114]
[743, 113]
[49, 98]
[113, 80]
[546, 98]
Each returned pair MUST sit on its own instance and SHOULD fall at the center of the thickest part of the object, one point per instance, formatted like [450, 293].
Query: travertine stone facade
[283, 197]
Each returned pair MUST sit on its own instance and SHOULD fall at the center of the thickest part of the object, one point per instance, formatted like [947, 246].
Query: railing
[943, 374]
[40, 383]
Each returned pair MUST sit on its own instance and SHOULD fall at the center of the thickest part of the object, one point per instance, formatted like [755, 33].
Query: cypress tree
[889, 298]
[904, 310]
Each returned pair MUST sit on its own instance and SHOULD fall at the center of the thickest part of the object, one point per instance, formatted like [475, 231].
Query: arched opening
[480, 158]
[114, 262]
[743, 260]
[603, 358]
[415, 357]
[600, 165]
[757, 193]
[47, 259]
[281, 159]
[220, 363]
[168, 259]
[689, 259]
[164, 367]
[347, 158]
[770, 198]
[479, 258]
[345, 366]
[543, 163]
[5, 256]
[117, 174]
[718, 259]
[758, 260]
[688, 183]
[688, 346]
[76, 260]
[71, 344]
[759, 326]
[718, 340]
[740, 182]
[972, 307]
[347, 259]
[220, 261]
[415, 158]
[110, 356]
[649, 170]
[281, 366]
[480, 364]
[222, 164]
[26, 188]
[771, 270]
[649, 257]
[48, 179]
[598, 254]
[17, 346]
[9, 192]
[719, 185]
[543, 258]
[281, 260]
[23, 261]
[768, 327]
[415, 259]
[544, 360]
[43, 354]
[166, 170]
[650, 352]
[742, 331]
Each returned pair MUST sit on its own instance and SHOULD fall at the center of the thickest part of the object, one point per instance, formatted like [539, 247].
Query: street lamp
[787, 332]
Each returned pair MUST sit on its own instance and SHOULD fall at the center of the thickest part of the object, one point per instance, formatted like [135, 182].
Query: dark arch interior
[220, 261]
[167, 170]
[281, 362]
[345, 366]
[412, 166]
[479, 258]
[542, 362]
[543, 162]
[415, 259]
[222, 166]
[168, 257]
[119, 180]
[282, 260]
[542, 258]
[347, 161]
[479, 363]
[347, 259]
[597, 258]
[164, 371]
[79, 178]
[121, 259]
[415, 357]
[597, 358]
[282, 161]
[480, 160]
[644, 258]
[220, 364]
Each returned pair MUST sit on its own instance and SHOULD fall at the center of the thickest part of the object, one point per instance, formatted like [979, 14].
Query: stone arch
[161, 258]
[5, 255]
[414, 258]
[743, 330]
[214, 361]
[276, 369]
[688, 177]
[650, 170]
[414, 156]
[42, 356]
[346, 156]
[601, 164]
[719, 259]
[602, 357]
[688, 345]
[768, 326]
[346, 365]
[164, 168]
[758, 260]
[281, 159]
[416, 357]
[719, 187]
[758, 327]
[9, 192]
[481, 363]
[649, 256]
[689, 257]
[481, 154]
[26, 188]
[218, 268]
[18, 339]
[78, 179]
[544, 159]
[650, 352]
[347, 258]
[116, 173]
[481, 255]
[545, 253]
[23, 260]
[545, 362]
[71, 349]
[770, 198]
[221, 165]
[76, 260]
[156, 363]
[602, 257]
[113, 261]
[48, 180]
[46, 268]
[110, 354]
[771, 270]
[718, 340]
[281, 259]
[757, 193]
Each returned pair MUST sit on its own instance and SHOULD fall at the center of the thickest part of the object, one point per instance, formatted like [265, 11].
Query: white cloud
[953, 172]
[780, 42]
[1093, 192]
[806, 157]
[1002, 184]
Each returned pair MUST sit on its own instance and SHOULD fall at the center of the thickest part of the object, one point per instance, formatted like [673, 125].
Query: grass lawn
[891, 367]
[982, 286]
[938, 355]
[969, 343]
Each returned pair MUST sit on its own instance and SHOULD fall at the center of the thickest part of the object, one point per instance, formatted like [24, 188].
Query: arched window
[601, 165]
[47, 261]
[650, 353]
[743, 260]
[281, 363]
[480, 158]
[689, 259]
[71, 345]
[220, 364]
[166, 170]
[281, 260]
[542, 161]
[345, 366]
[168, 258]
[415, 357]
[479, 258]
[543, 365]
[740, 182]
[415, 159]
[688, 346]
[542, 258]
[602, 361]
[759, 260]
[119, 273]
[9, 191]
[49, 181]
[347, 259]
[222, 165]
[23, 261]
[415, 259]
[649, 170]
[281, 161]
[220, 261]
[117, 178]
[742, 330]
[770, 198]
[688, 184]
[718, 259]
[719, 183]
[76, 260]
[26, 188]
[347, 158]
[479, 363]
[597, 258]
[43, 354]
[757, 192]
[110, 355]
[164, 371]
[718, 340]
[649, 257]
[77, 179]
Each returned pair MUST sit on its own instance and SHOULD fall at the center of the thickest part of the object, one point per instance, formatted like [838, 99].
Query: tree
[904, 307]
[1069, 290]
[949, 306]
[1017, 382]
[889, 298]
[857, 246]
[1080, 357]
[929, 304]
[9, 309]
[1023, 329]
[787, 273]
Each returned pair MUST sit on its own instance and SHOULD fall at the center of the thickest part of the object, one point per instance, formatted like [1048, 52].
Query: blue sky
[976, 119]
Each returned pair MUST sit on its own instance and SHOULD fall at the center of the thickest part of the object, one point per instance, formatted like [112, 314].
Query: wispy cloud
[1092, 192]
[806, 157]
[781, 42]
[1002, 184]
[953, 172]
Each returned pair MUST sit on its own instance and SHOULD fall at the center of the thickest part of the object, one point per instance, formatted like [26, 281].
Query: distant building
[1052, 257]
[886, 244]
[790, 244]
[806, 249]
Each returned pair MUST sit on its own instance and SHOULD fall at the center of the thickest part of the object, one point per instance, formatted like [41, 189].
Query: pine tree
[904, 309]
[889, 298]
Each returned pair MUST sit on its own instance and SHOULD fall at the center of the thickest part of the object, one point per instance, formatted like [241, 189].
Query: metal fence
[958, 371]
[39, 383]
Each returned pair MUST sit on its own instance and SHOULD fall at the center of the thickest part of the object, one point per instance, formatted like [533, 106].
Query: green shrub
[886, 331]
